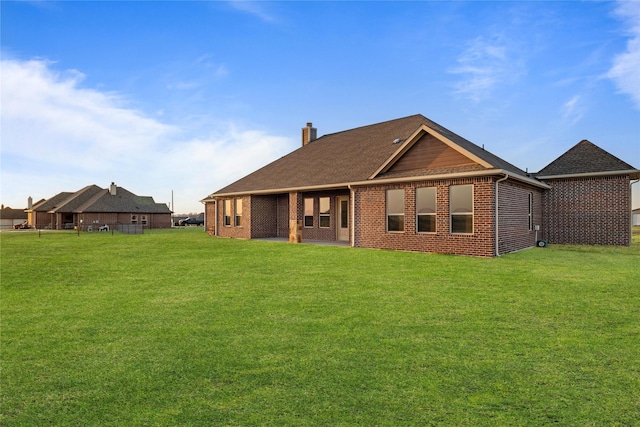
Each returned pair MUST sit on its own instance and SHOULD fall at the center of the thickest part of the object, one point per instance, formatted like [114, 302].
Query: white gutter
[634, 173]
[215, 221]
[487, 172]
[498, 216]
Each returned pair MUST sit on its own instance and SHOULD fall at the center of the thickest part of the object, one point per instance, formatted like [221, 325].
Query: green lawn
[179, 328]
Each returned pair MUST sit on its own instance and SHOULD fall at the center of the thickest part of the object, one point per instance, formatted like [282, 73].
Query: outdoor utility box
[295, 231]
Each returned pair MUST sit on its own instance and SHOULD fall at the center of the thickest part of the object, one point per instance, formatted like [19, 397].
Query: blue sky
[190, 96]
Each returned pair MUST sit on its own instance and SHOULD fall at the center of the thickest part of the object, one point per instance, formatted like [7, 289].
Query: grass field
[179, 328]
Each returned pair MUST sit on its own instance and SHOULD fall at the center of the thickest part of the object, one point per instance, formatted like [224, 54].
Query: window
[426, 209]
[308, 212]
[461, 208]
[530, 211]
[238, 211]
[227, 213]
[325, 219]
[395, 210]
[143, 219]
[134, 219]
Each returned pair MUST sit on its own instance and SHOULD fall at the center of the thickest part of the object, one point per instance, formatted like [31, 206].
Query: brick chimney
[112, 189]
[309, 134]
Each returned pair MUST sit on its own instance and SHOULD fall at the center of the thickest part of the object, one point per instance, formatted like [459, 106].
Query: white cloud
[625, 71]
[256, 8]
[60, 136]
[484, 65]
[573, 110]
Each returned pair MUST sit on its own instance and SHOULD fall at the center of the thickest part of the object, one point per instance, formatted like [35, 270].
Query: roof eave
[343, 185]
[633, 174]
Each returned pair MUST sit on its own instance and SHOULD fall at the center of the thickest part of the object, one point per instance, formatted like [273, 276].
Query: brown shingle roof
[95, 199]
[349, 156]
[9, 213]
[123, 201]
[583, 158]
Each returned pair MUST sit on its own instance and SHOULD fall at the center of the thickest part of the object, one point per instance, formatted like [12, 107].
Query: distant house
[92, 207]
[10, 217]
[636, 216]
[411, 184]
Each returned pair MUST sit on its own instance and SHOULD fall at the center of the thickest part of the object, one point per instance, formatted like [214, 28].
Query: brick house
[92, 207]
[410, 184]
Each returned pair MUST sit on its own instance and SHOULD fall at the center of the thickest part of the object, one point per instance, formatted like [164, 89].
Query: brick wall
[283, 216]
[316, 232]
[264, 216]
[210, 216]
[370, 220]
[513, 207]
[588, 211]
[244, 230]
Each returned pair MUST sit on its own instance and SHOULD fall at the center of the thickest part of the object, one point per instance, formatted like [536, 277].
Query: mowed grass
[179, 328]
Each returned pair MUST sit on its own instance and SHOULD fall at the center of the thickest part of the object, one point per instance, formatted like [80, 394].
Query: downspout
[506, 176]
[631, 209]
[215, 220]
[352, 208]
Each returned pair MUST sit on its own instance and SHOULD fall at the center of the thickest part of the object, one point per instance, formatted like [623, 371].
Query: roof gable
[585, 158]
[51, 203]
[428, 152]
[76, 199]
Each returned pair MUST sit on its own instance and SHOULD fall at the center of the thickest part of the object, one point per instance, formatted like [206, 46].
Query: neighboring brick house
[410, 184]
[92, 207]
[11, 217]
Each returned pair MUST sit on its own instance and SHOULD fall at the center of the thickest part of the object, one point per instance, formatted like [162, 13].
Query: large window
[461, 208]
[395, 210]
[238, 211]
[325, 219]
[426, 209]
[308, 212]
[227, 213]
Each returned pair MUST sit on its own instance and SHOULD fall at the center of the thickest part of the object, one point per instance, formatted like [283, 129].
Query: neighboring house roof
[52, 203]
[123, 201]
[586, 158]
[636, 211]
[364, 155]
[71, 203]
[95, 199]
[9, 213]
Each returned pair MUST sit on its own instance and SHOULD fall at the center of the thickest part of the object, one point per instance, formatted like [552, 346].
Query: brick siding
[513, 208]
[588, 211]
[316, 232]
[370, 223]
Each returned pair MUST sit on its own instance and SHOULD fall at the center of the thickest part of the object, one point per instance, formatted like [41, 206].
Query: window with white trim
[143, 219]
[325, 219]
[134, 219]
[238, 212]
[308, 212]
[426, 210]
[226, 212]
[461, 208]
[395, 210]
